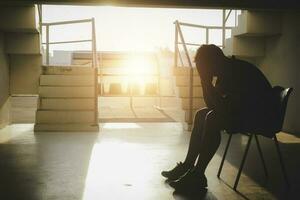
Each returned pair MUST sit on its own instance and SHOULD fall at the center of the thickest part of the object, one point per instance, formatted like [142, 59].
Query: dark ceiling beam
[238, 4]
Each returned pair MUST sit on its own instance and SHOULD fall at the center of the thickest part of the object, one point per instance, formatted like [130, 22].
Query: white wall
[281, 65]
[4, 85]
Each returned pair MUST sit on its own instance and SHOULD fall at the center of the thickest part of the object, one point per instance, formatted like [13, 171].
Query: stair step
[258, 23]
[64, 117]
[21, 18]
[197, 103]
[67, 70]
[25, 71]
[67, 80]
[22, 43]
[184, 71]
[66, 128]
[183, 92]
[244, 47]
[67, 104]
[185, 81]
[187, 115]
[50, 91]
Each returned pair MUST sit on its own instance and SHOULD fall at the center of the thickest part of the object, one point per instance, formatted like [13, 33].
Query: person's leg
[210, 141]
[196, 136]
[193, 151]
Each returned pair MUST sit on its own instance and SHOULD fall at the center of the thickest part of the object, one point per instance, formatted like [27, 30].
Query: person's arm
[209, 91]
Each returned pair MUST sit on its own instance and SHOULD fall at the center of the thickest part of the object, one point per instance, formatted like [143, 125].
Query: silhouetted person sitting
[240, 100]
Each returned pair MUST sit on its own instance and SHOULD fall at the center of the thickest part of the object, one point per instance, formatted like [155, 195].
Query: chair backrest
[282, 96]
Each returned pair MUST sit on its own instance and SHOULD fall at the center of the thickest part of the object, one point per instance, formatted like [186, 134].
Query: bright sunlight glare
[121, 126]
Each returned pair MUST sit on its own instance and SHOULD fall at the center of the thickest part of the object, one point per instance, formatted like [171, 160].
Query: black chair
[282, 96]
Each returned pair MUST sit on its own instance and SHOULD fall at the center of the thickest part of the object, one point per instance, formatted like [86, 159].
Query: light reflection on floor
[124, 161]
[120, 126]
[129, 168]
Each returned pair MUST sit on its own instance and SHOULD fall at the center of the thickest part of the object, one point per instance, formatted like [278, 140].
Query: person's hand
[205, 74]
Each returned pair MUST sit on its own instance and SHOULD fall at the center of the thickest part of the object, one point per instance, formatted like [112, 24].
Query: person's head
[210, 59]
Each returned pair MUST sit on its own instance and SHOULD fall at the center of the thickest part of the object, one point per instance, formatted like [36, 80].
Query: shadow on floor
[203, 194]
[36, 167]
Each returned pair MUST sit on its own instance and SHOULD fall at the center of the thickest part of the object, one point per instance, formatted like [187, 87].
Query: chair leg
[243, 162]
[224, 155]
[281, 162]
[261, 155]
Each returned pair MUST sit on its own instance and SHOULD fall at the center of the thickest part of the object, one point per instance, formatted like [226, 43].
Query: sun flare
[140, 69]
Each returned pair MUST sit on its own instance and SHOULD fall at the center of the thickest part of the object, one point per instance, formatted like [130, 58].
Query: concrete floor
[124, 161]
[111, 109]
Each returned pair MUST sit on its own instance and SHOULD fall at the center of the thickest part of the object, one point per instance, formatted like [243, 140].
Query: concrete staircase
[20, 55]
[20, 28]
[182, 80]
[248, 38]
[67, 99]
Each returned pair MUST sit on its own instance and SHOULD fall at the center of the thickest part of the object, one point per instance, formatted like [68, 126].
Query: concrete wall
[281, 65]
[4, 85]
[25, 73]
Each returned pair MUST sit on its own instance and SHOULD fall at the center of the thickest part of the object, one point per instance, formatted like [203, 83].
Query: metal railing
[92, 40]
[180, 40]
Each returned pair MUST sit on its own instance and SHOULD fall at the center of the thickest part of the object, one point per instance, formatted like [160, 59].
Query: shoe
[200, 193]
[191, 181]
[178, 171]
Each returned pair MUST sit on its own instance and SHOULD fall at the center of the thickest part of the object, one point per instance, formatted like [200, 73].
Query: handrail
[67, 42]
[92, 40]
[67, 22]
[179, 40]
[191, 70]
[202, 26]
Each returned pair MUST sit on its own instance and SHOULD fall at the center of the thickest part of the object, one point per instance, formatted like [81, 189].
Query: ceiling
[240, 4]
